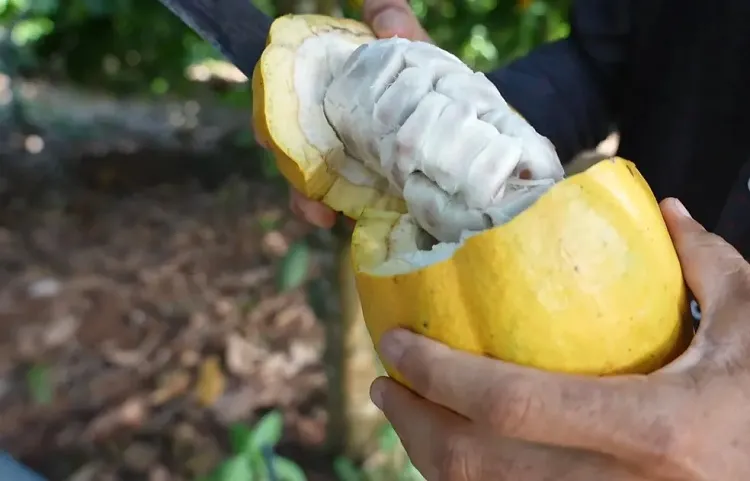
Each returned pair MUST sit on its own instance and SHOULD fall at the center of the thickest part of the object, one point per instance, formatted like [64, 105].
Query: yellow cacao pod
[584, 279]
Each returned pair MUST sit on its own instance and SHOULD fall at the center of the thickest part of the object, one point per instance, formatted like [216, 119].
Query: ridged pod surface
[466, 230]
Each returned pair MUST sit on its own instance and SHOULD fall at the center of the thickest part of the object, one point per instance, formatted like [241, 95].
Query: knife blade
[236, 28]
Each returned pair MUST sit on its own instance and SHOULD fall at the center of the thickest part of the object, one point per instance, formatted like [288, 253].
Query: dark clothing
[673, 77]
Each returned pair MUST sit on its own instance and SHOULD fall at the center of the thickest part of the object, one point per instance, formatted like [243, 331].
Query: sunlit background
[162, 315]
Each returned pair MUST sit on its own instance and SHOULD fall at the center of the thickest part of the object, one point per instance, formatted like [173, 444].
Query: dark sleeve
[568, 89]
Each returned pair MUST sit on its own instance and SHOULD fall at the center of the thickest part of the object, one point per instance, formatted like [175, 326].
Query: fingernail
[376, 392]
[387, 23]
[680, 207]
[392, 345]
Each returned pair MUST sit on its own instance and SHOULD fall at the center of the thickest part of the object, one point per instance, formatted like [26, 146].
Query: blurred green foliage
[138, 46]
[489, 33]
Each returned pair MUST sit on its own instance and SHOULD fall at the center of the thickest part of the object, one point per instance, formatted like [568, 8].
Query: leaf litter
[135, 331]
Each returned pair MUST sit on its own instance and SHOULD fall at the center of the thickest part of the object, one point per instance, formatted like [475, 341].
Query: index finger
[616, 415]
[443, 445]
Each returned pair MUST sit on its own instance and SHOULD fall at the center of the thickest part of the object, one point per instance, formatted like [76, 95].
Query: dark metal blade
[234, 27]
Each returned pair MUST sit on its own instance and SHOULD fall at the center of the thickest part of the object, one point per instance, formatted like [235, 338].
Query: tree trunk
[354, 423]
[361, 367]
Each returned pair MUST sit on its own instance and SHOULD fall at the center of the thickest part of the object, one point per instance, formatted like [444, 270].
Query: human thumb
[389, 18]
[713, 269]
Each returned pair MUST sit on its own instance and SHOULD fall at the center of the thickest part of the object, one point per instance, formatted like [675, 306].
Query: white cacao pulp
[440, 134]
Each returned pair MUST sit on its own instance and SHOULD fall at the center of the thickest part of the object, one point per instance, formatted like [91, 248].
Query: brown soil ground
[156, 319]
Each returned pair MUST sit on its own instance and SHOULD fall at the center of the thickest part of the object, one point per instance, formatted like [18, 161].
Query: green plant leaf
[39, 384]
[239, 437]
[287, 470]
[44, 7]
[410, 473]
[21, 5]
[294, 267]
[257, 461]
[236, 468]
[388, 439]
[346, 470]
[267, 432]
[31, 30]
[269, 221]
[269, 167]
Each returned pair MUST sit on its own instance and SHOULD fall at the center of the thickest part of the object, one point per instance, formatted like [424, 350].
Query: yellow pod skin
[586, 280]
